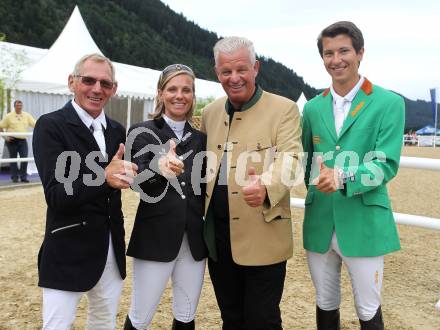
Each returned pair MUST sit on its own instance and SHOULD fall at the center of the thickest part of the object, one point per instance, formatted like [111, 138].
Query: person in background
[78, 151]
[248, 226]
[17, 121]
[167, 237]
[352, 133]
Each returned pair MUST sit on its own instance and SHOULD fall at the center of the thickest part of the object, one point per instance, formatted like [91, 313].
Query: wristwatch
[343, 177]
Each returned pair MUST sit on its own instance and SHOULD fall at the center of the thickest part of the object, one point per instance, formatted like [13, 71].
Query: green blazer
[367, 149]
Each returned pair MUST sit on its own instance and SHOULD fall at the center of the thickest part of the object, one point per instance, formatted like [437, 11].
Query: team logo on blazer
[316, 139]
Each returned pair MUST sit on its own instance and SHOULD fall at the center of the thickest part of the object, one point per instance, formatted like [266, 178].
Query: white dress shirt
[99, 123]
[342, 104]
[176, 126]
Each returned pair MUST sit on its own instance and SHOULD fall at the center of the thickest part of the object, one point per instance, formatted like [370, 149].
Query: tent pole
[128, 113]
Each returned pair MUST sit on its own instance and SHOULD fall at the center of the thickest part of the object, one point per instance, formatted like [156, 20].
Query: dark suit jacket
[74, 250]
[159, 226]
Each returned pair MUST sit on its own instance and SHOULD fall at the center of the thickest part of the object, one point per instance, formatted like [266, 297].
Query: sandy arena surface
[411, 282]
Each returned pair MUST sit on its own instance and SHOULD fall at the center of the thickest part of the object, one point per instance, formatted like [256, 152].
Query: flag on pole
[434, 98]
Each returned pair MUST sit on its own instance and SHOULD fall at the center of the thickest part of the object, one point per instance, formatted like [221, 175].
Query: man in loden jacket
[248, 229]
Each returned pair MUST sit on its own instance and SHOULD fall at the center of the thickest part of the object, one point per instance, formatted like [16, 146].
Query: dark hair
[17, 101]
[342, 27]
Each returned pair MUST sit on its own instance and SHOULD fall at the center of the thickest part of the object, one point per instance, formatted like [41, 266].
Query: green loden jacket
[265, 134]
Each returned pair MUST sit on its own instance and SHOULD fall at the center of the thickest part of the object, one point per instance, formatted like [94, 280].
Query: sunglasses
[90, 81]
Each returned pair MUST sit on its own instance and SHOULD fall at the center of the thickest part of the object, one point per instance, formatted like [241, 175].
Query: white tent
[301, 102]
[42, 85]
[49, 74]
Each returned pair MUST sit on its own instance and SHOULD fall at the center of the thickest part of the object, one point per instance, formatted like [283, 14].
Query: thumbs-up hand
[170, 165]
[119, 173]
[120, 153]
[254, 192]
[327, 181]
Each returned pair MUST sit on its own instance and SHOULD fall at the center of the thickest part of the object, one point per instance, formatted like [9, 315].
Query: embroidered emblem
[358, 107]
[316, 139]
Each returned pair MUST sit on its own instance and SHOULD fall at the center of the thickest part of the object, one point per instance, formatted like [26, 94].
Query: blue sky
[402, 38]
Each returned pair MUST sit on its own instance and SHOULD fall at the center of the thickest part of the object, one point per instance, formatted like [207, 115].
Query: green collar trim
[254, 99]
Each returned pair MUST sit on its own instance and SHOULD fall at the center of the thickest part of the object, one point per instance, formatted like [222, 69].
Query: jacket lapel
[165, 130]
[110, 139]
[327, 113]
[187, 135]
[358, 106]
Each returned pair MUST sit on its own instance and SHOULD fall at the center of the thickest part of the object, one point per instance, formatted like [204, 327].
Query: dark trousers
[18, 147]
[248, 296]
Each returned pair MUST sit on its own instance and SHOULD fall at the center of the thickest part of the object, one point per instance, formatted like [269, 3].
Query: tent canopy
[427, 130]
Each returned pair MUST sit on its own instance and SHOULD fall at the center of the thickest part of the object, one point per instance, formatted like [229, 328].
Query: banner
[434, 96]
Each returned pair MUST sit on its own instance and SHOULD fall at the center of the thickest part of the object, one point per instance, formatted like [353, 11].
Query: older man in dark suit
[83, 247]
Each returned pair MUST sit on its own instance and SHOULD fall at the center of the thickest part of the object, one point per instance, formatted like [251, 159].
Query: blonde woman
[167, 240]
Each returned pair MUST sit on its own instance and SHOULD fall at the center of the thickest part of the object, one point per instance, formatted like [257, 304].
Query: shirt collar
[175, 125]
[254, 99]
[351, 94]
[86, 118]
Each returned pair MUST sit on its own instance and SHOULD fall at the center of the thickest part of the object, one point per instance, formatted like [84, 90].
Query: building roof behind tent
[31, 54]
[138, 82]
[135, 81]
[208, 89]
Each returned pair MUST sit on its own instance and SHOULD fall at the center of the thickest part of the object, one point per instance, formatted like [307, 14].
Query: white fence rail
[16, 134]
[401, 218]
[16, 160]
[420, 163]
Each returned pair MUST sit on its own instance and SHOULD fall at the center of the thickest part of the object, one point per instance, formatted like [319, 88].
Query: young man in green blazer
[352, 134]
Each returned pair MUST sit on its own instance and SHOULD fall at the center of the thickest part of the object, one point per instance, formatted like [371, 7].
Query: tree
[201, 103]
[13, 62]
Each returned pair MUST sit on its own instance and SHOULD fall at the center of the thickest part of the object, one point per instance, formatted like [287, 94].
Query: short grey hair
[95, 57]
[230, 45]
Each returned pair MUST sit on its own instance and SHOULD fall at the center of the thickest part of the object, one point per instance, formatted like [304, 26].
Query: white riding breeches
[366, 275]
[59, 307]
[149, 282]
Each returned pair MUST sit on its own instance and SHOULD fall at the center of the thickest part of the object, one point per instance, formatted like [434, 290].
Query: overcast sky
[402, 38]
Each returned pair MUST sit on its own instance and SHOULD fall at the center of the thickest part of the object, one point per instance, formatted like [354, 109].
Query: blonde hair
[167, 74]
